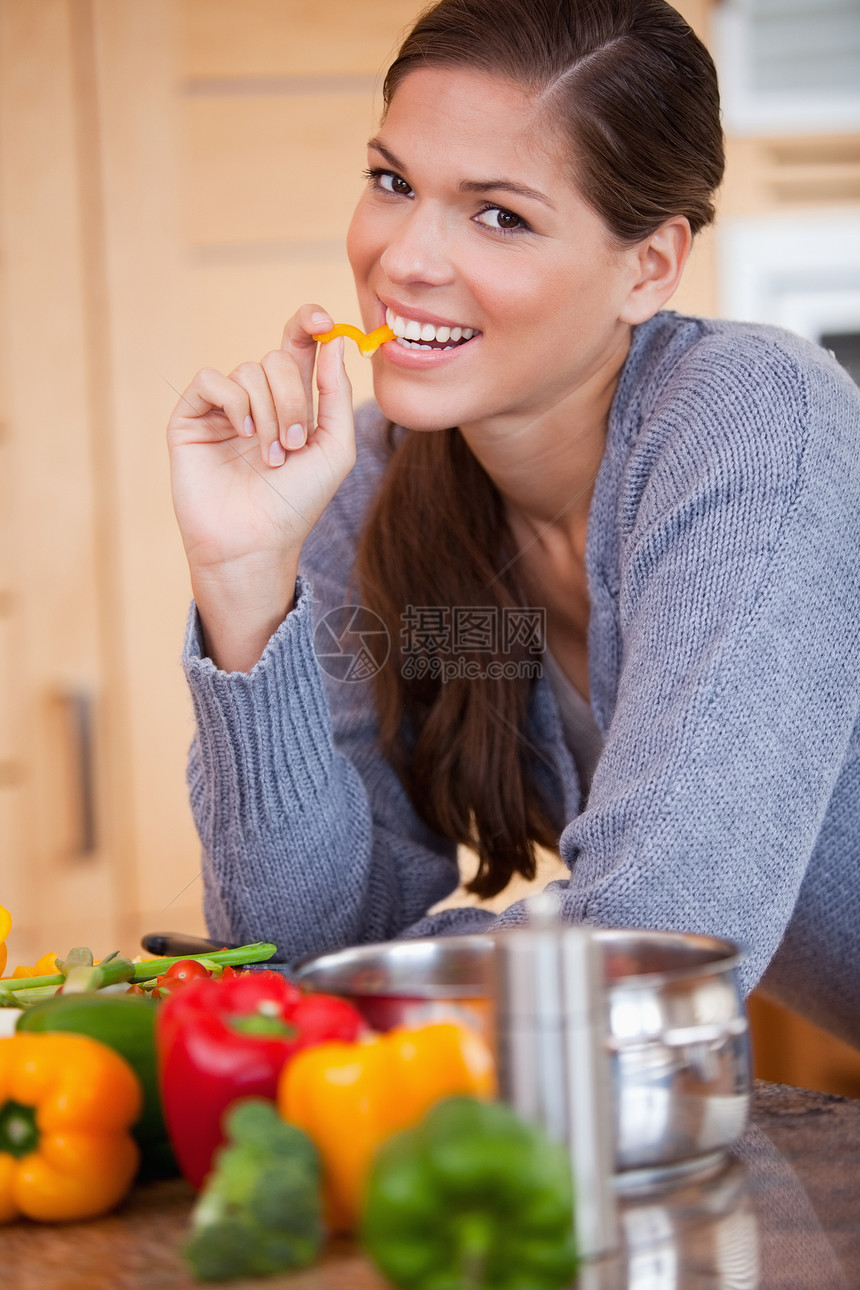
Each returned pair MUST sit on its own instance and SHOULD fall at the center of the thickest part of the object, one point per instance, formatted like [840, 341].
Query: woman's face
[470, 222]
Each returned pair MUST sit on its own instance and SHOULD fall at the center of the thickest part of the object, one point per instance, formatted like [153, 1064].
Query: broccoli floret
[260, 1211]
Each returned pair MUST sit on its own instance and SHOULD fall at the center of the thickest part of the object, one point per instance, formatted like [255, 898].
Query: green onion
[115, 968]
[259, 952]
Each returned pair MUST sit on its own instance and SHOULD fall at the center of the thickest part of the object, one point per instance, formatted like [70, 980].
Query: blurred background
[176, 176]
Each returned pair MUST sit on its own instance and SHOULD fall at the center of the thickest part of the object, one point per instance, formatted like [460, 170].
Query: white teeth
[411, 330]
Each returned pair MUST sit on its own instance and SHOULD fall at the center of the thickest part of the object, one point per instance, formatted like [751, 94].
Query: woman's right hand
[252, 471]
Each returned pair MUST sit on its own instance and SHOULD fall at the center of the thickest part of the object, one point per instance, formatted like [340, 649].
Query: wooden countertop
[785, 1213]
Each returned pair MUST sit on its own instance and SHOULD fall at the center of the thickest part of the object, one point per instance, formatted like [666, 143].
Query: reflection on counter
[750, 1225]
[704, 1234]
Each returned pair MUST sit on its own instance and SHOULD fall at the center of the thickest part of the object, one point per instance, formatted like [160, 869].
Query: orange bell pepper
[349, 1098]
[66, 1105]
[368, 343]
[5, 929]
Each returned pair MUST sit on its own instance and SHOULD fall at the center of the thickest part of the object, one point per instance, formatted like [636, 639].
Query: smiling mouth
[412, 334]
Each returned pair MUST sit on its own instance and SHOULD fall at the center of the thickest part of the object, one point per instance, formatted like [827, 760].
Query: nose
[418, 252]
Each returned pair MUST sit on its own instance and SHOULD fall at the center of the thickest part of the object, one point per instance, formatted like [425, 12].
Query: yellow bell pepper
[350, 1097]
[5, 929]
[66, 1106]
[368, 343]
[45, 966]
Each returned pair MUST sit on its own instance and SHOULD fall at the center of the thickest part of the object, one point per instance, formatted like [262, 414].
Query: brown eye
[503, 221]
[387, 181]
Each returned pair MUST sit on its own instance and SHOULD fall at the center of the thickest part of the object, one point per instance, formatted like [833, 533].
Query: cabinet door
[55, 869]
[95, 721]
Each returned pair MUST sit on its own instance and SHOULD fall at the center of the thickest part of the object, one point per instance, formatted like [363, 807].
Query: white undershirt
[581, 733]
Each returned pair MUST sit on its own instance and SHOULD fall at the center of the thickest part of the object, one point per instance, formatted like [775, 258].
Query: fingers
[277, 406]
[294, 423]
[274, 399]
[298, 341]
[212, 392]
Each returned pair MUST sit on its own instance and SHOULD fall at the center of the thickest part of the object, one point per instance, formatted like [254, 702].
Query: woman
[672, 500]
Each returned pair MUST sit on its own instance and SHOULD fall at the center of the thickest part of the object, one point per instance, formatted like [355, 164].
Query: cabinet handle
[77, 709]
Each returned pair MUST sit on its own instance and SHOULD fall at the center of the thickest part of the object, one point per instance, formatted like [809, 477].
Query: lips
[414, 333]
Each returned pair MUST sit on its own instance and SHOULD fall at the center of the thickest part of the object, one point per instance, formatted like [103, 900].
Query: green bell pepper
[471, 1197]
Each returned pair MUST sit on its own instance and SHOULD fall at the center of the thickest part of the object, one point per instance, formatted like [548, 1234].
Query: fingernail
[277, 456]
[295, 436]
[321, 322]
[248, 428]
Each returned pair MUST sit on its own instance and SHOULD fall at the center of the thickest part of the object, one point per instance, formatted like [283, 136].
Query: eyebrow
[471, 185]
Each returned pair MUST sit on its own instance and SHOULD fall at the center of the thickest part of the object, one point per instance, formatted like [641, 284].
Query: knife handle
[172, 944]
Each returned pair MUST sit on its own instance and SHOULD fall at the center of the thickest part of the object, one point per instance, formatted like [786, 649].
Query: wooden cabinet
[56, 872]
[94, 722]
[175, 177]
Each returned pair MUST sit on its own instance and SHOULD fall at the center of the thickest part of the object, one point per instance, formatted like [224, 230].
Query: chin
[419, 410]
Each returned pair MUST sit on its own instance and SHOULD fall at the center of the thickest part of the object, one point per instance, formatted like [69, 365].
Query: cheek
[580, 300]
[508, 295]
[358, 242]
[524, 293]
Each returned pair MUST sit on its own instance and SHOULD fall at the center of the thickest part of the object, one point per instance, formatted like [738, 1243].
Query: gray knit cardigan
[723, 559]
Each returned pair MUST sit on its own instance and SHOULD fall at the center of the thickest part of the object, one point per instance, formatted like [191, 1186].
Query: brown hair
[634, 93]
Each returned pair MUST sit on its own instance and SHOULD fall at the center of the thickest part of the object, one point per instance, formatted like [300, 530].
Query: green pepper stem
[474, 1237]
[18, 1133]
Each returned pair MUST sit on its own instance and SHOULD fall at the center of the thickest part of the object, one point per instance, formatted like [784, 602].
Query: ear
[658, 263]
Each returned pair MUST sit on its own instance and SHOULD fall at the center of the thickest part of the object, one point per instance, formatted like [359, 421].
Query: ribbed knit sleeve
[308, 837]
[725, 567]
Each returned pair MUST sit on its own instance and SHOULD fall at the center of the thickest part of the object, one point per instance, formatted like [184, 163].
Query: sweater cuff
[263, 736]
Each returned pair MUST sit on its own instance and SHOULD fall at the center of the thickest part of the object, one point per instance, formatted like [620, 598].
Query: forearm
[315, 846]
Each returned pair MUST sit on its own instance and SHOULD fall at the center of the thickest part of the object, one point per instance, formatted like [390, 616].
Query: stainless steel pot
[676, 1030]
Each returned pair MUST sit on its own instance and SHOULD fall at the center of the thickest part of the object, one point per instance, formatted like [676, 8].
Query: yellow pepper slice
[367, 342]
[5, 929]
[66, 1106]
[351, 1097]
[45, 966]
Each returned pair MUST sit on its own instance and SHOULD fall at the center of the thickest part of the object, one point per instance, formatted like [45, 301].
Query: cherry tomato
[177, 976]
[185, 970]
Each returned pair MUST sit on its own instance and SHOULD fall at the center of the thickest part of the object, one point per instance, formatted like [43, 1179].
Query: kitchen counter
[784, 1214]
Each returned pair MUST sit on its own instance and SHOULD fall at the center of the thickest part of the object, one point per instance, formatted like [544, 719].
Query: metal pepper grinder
[553, 1057]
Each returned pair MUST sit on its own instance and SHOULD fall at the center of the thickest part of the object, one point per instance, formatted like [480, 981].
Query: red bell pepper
[220, 1040]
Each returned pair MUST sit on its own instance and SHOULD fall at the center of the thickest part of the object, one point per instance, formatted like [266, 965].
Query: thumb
[334, 407]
